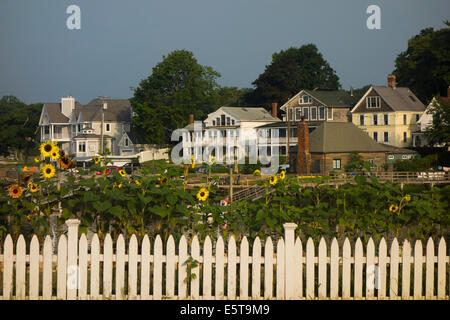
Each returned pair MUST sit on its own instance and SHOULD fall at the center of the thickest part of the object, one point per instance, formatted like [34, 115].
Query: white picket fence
[290, 272]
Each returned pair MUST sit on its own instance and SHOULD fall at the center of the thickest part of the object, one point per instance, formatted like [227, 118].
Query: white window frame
[324, 111]
[306, 114]
[335, 162]
[375, 116]
[384, 120]
[81, 144]
[330, 111]
[302, 99]
[300, 117]
[315, 118]
[377, 102]
[361, 117]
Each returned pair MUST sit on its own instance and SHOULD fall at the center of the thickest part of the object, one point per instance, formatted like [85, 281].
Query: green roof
[333, 98]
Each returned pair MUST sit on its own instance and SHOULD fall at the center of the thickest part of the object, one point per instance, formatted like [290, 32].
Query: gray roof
[400, 98]
[332, 137]
[250, 113]
[117, 110]
[333, 98]
[54, 112]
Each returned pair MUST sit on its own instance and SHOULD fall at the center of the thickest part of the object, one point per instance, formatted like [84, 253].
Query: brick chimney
[274, 109]
[303, 155]
[392, 82]
[191, 118]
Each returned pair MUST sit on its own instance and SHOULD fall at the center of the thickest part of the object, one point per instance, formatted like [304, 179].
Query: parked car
[108, 170]
[130, 166]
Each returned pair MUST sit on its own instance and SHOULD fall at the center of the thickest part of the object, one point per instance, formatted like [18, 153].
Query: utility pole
[103, 122]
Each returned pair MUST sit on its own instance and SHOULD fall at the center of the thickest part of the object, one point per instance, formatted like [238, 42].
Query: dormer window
[373, 102]
[305, 99]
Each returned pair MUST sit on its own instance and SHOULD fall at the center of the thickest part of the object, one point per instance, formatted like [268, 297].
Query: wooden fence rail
[283, 270]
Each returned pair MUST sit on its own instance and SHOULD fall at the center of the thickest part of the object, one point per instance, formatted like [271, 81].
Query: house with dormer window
[389, 114]
[79, 130]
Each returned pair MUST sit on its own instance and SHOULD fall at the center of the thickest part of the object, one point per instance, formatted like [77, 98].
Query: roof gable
[328, 98]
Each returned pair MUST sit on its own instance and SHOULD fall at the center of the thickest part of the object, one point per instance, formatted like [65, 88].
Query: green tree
[177, 87]
[19, 133]
[439, 131]
[425, 66]
[289, 72]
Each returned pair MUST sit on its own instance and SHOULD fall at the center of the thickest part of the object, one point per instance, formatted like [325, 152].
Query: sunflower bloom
[273, 180]
[122, 172]
[96, 160]
[282, 175]
[202, 194]
[162, 179]
[32, 187]
[48, 171]
[407, 197]
[37, 159]
[257, 172]
[137, 182]
[64, 162]
[393, 208]
[192, 162]
[46, 148]
[15, 191]
[55, 155]
[117, 185]
[212, 160]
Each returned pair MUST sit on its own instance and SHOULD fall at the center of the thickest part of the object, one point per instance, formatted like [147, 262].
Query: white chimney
[67, 105]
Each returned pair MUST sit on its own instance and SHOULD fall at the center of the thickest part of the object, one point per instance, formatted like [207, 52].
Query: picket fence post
[72, 258]
[289, 266]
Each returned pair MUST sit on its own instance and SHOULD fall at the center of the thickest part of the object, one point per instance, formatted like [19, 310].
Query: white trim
[316, 117]
[324, 113]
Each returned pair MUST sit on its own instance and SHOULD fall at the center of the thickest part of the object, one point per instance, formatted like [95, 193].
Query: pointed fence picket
[136, 271]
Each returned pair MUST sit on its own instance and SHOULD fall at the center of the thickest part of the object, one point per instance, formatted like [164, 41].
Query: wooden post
[289, 256]
[231, 184]
[72, 258]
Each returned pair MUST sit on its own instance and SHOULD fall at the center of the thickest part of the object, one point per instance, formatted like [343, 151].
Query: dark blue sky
[120, 41]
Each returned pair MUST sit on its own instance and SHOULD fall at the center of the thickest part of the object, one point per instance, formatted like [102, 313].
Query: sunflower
[47, 148]
[212, 160]
[96, 160]
[32, 187]
[64, 162]
[55, 155]
[257, 172]
[282, 175]
[273, 180]
[407, 197]
[162, 179]
[29, 217]
[137, 182]
[48, 171]
[202, 194]
[393, 208]
[122, 172]
[15, 191]
[192, 162]
[37, 159]
[117, 185]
